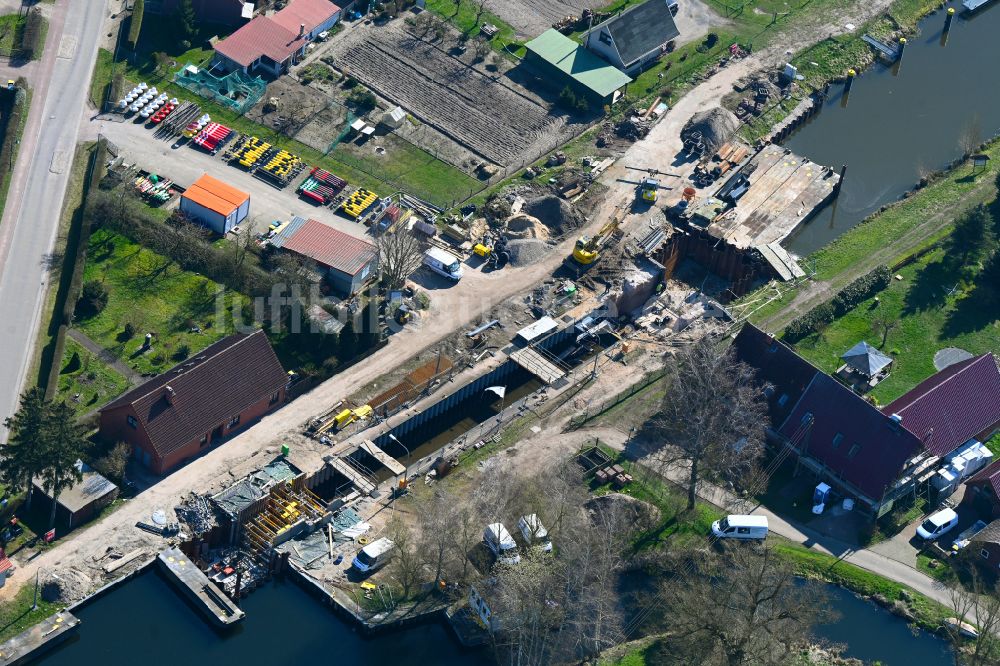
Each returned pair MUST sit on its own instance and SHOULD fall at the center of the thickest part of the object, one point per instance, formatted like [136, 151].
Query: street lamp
[406, 467]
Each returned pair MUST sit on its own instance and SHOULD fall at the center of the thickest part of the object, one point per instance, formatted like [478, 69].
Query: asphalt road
[61, 83]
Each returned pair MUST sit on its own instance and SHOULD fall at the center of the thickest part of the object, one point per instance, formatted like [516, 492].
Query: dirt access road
[453, 308]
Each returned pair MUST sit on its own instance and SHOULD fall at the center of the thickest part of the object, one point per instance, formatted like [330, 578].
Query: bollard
[902, 47]
[948, 18]
[850, 81]
[840, 183]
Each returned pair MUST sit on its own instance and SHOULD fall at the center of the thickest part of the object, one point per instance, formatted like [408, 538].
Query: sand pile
[526, 226]
[557, 214]
[717, 126]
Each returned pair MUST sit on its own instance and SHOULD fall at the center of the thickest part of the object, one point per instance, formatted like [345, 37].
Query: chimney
[302, 29]
[169, 394]
[896, 418]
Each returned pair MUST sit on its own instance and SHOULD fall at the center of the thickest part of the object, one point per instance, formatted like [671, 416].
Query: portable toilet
[821, 496]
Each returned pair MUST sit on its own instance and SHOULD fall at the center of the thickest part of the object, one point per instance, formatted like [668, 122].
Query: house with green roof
[560, 61]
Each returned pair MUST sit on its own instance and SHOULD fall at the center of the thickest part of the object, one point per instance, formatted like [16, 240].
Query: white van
[937, 524]
[534, 532]
[501, 543]
[443, 263]
[373, 556]
[740, 527]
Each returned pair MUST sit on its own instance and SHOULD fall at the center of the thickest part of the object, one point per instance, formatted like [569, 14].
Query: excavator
[588, 248]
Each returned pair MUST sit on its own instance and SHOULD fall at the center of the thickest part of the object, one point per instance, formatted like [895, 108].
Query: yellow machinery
[587, 248]
[481, 250]
[648, 188]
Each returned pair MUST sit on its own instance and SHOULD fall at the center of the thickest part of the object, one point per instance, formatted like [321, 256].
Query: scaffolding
[236, 90]
[288, 504]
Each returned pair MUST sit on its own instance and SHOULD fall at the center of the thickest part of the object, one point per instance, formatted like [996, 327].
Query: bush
[129, 331]
[93, 299]
[362, 99]
[114, 463]
[567, 99]
[182, 352]
[31, 38]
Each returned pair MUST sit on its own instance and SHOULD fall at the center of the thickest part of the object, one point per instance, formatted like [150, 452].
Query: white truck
[741, 527]
[534, 532]
[501, 544]
[443, 263]
[373, 556]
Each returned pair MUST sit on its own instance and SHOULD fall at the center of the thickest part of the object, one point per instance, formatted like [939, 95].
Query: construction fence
[236, 90]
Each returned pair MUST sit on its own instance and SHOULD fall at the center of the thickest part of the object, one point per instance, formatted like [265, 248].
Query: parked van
[373, 556]
[937, 524]
[534, 532]
[443, 263]
[501, 543]
[740, 527]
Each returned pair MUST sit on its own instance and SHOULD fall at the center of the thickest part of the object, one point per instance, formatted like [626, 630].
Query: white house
[634, 38]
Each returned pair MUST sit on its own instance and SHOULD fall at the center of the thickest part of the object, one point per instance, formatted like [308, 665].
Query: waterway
[896, 125]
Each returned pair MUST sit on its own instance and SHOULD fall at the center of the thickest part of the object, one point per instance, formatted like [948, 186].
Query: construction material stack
[359, 202]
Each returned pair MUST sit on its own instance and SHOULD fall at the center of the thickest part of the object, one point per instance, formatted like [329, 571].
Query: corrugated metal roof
[312, 13]
[215, 195]
[583, 66]
[261, 36]
[325, 245]
[952, 406]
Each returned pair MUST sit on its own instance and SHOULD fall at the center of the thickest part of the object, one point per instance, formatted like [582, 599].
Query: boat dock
[973, 5]
[32, 642]
[199, 589]
[384, 458]
[770, 197]
[890, 52]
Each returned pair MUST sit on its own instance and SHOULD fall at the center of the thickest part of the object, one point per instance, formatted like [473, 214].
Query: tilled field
[530, 18]
[490, 115]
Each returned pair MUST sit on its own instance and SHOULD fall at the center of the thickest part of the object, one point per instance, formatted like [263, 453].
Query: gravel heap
[717, 126]
[557, 214]
[525, 226]
[524, 252]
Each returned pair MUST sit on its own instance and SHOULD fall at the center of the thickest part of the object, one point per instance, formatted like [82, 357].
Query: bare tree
[883, 325]
[407, 562]
[399, 255]
[971, 137]
[711, 418]
[742, 608]
[437, 519]
[480, 10]
[976, 605]
[482, 49]
[466, 531]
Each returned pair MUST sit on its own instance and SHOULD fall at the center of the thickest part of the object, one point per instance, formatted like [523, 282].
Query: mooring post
[902, 47]
[840, 183]
[850, 81]
[949, 15]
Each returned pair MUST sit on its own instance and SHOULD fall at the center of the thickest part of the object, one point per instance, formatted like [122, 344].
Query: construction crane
[648, 188]
[588, 248]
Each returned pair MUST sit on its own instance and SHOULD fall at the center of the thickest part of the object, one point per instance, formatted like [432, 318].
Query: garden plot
[491, 116]
[530, 18]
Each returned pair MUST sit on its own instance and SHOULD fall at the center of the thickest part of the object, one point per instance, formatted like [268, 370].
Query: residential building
[635, 38]
[984, 548]
[215, 204]
[785, 374]
[561, 62]
[199, 403]
[346, 262]
[959, 403]
[83, 500]
[982, 492]
[216, 12]
[270, 45]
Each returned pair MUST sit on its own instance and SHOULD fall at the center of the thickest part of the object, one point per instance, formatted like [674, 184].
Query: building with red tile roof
[348, 262]
[198, 403]
[270, 45]
[959, 403]
[982, 492]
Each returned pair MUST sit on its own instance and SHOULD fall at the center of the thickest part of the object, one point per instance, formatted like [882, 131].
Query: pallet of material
[321, 186]
[125, 559]
[359, 201]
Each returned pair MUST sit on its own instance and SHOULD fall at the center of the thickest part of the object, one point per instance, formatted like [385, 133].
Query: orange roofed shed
[215, 204]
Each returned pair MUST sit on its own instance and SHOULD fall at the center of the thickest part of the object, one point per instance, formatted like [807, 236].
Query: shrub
[846, 299]
[567, 99]
[135, 24]
[93, 299]
[31, 38]
[129, 331]
[114, 463]
[182, 352]
[362, 99]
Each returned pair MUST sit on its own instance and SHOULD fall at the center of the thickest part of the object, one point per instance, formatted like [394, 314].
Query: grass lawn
[10, 32]
[152, 293]
[463, 14]
[16, 615]
[928, 318]
[85, 375]
[5, 184]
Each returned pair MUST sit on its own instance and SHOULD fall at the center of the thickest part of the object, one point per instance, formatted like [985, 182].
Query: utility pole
[34, 604]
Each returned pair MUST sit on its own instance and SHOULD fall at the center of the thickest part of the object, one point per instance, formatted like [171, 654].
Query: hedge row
[135, 23]
[846, 299]
[13, 106]
[31, 38]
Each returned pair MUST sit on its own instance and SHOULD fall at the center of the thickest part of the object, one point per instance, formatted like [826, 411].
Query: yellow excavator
[588, 248]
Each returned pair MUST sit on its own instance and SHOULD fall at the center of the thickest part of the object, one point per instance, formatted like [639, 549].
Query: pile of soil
[717, 126]
[526, 251]
[525, 226]
[632, 511]
[557, 214]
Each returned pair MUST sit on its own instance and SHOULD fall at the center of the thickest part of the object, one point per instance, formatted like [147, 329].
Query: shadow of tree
[974, 312]
[930, 287]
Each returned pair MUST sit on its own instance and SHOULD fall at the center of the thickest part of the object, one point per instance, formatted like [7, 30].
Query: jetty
[34, 641]
[216, 606]
[892, 53]
[974, 5]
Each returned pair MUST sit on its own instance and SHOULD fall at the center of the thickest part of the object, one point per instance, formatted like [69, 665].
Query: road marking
[67, 47]
[60, 159]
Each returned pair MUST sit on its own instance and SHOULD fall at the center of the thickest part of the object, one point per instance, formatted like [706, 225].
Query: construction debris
[709, 129]
[558, 215]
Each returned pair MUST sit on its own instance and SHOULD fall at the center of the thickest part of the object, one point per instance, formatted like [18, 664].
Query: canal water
[898, 125]
[147, 622]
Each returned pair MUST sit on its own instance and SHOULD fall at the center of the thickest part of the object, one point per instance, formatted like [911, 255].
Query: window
[204, 440]
[807, 418]
[854, 450]
[131, 421]
[985, 553]
[275, 397]
[605, 37]
[235, 421]
[783, 400]
[768, 391]
[743, 530]
[837, 439]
